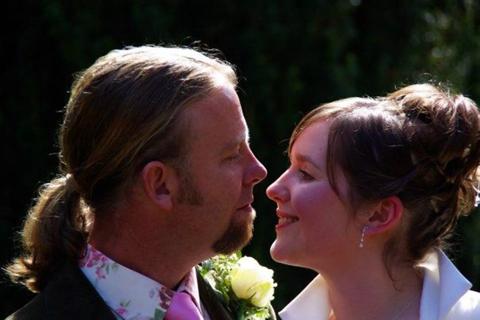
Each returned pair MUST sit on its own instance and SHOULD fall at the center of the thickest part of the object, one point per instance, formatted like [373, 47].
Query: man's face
[220, 172]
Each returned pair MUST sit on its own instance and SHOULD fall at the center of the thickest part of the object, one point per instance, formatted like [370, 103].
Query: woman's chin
[284, 253]
[279, 253]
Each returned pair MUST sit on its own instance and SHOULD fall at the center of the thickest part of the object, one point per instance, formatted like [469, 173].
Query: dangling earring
[477, 194]
[362, 237]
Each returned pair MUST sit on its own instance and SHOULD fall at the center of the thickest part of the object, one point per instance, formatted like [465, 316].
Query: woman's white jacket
[445, 295]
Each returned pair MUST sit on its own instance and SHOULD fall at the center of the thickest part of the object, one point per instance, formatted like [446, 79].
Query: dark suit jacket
[70, 296]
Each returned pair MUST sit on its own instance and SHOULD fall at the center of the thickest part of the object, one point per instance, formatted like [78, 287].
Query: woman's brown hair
[419, 143]
[124, 111]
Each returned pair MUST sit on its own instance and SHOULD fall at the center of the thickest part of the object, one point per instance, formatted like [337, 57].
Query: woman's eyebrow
[302, 158]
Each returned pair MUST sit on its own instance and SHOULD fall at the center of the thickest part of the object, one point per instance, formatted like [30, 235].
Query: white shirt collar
[443, 286]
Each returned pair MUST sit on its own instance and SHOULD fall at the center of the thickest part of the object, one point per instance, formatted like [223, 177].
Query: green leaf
[159, 314]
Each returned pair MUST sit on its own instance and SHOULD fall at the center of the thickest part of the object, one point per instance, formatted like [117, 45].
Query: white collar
[443, 285]
[129, 293]
[311, 304]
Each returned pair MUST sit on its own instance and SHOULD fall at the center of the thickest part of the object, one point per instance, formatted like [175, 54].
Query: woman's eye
[305, 175]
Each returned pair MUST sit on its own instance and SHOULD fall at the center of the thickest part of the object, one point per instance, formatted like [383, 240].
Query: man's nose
[257, 171]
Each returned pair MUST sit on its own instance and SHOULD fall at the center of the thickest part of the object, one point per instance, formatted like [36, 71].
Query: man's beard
[238, 233]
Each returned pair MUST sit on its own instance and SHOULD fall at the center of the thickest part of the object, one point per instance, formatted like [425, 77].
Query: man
[156, 176]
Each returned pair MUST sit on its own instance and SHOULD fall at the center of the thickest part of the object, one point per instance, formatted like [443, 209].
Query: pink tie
[182, 307]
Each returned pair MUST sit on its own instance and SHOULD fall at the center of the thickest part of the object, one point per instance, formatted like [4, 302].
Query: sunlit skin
[224, 170]
[314, 227]
[316, 230]
[152, 226]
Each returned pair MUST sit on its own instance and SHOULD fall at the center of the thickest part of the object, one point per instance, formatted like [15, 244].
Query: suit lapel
[70, 296]
[212, 303]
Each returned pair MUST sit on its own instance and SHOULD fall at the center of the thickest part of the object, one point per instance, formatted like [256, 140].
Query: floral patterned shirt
[129, 294]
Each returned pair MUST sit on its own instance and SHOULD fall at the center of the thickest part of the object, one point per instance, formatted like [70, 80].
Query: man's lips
[247, 206]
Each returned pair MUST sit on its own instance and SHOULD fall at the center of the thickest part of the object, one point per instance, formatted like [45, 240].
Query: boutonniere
[245, 285]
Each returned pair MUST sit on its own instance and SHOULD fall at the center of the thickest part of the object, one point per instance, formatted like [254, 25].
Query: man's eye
[233, 156]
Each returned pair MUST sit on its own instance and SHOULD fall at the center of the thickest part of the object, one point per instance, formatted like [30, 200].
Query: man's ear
[158, 182]
[385, 216]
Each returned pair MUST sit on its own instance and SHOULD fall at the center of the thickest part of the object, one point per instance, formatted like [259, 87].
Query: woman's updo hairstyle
[419, 143]
[441, 131]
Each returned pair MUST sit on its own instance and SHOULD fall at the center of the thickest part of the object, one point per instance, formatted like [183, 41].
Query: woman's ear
[385, 216]
[157, 179]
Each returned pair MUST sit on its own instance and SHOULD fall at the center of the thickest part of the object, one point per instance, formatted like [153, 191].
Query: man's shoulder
[33, 310]
[68, 295]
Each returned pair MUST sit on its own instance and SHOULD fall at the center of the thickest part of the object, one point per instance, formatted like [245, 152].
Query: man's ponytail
[54, 232]
[123, 112]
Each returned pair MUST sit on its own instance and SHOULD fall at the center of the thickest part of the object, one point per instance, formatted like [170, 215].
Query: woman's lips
[285, 220]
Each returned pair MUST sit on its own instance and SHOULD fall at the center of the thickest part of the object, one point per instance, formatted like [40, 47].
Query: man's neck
[162, 260]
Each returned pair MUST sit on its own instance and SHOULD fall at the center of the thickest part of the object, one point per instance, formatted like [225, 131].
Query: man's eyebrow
[234, 143]
[302, 158]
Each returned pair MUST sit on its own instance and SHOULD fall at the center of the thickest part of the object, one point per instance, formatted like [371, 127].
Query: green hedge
[290, 55]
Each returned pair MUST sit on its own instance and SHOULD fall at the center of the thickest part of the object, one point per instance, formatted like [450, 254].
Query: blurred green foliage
[290, 55]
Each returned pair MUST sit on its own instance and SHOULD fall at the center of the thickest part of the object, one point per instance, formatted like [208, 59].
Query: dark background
[290, 55]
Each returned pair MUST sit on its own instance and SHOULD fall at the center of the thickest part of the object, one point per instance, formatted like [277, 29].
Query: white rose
[252, 281]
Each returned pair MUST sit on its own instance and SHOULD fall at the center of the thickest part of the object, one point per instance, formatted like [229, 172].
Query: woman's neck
[368, 292]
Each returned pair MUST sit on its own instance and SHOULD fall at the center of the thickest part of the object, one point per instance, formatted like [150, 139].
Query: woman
[374, 188]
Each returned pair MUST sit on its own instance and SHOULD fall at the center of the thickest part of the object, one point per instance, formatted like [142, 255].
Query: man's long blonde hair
[124, 111]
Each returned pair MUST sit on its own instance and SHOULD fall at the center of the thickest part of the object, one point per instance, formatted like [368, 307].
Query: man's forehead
[240, 138]
[217, 120]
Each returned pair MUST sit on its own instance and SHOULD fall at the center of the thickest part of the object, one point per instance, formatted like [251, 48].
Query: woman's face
[314, 228]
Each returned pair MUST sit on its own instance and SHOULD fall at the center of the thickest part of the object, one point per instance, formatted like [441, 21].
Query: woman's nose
[277, 191]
